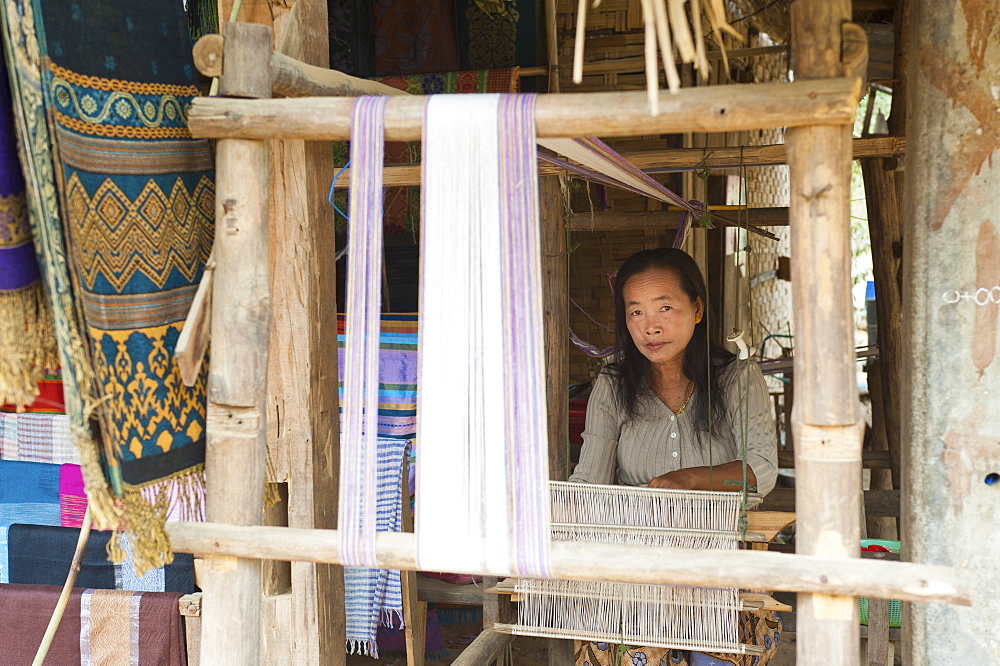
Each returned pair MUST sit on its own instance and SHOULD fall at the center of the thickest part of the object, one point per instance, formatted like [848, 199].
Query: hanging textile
[374, 597]
[27, 337]
[414, 36]
[397, 374]
[352, 49]
[29, 493]
[142, 627]
[26, 611]
[72, 496]
[139, 222]
[41, 438]
[41, 555]
[21, 30]
[499, 33]
[482, 389]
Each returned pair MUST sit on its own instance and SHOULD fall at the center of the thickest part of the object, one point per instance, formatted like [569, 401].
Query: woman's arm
[727, 477]
[598, 457]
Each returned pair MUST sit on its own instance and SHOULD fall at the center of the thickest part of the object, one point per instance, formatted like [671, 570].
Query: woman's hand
[679, 479]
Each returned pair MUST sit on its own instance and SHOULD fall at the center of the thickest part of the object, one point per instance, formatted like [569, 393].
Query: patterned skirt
[761, 628]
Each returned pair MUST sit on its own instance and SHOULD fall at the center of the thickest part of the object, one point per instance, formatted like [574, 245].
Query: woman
[672, 412]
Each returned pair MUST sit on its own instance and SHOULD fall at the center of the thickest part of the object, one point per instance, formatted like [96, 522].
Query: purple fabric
[18, 267]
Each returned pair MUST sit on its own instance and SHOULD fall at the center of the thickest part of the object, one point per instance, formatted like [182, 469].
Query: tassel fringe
[28, 344]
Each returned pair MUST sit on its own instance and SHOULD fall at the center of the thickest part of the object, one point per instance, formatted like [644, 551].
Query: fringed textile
[139, 198]
[481, 399]
[23, 37]
[27, 336]
[43, 438]
[50, 398]
[374, 597]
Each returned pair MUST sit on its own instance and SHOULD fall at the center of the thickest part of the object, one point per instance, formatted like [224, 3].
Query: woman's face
[660, 316]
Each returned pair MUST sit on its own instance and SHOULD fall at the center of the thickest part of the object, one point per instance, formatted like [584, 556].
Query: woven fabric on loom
[374, 596]
[139, 219]
[27, 337]
[29, 493]
[37, 438]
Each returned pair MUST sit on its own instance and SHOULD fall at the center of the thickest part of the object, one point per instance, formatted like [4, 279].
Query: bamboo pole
[710, 109]
[826, 419]
[613, 562]
[673, 160]
[236, 446]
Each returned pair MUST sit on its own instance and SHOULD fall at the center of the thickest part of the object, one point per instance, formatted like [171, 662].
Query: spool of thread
[736, 337]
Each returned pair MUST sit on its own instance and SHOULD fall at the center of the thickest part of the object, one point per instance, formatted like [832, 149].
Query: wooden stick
[706, 109]
[193, 340]
[581, 29]
[487, 646]
[673, 160]
[74, 571]
[615, 562]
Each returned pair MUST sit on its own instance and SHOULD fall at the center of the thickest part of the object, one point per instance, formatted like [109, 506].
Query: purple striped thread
[359, 442]
[527, 457]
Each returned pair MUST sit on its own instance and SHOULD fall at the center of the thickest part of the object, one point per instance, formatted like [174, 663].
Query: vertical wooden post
[555, 281]
[951, 330]
[241, 317]
[302, 377]
[826, 415]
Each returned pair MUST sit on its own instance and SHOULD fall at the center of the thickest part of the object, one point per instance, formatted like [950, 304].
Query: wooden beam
[674, 160]
[303, 441]
[881, 503]
[707, 109]
[668, 219]
[241, 313]
[555, 307]
[614, 562]
[827, 423]
[487, 646]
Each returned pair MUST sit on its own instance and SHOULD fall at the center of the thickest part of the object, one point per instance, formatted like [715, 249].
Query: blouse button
[672, 417]
[674, 435]
[675, 454]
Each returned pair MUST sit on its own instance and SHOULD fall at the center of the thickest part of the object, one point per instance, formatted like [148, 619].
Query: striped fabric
[72, 496]
[397, 389]
[374, 595]
[130, 628]
[29, 493]
[42, 438]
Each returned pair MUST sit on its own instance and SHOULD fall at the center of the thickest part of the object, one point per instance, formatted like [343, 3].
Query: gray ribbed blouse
[657, 441]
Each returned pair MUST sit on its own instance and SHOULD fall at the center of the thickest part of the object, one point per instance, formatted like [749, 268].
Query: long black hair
[631, 370]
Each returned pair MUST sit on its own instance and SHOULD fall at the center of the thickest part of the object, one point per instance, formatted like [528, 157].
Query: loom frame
[828, 451]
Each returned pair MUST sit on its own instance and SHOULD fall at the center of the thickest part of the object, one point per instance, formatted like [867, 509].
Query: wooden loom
[824, 574]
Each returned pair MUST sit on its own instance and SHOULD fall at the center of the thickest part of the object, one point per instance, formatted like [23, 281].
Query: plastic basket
[895, 607]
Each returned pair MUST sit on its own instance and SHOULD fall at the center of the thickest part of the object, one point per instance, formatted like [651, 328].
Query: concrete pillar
[951, 306]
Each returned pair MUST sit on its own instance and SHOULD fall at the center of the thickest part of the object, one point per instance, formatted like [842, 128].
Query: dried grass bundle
[670, 25]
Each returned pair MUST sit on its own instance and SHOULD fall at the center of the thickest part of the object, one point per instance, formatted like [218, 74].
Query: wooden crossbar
[614, 562]
[729, 108]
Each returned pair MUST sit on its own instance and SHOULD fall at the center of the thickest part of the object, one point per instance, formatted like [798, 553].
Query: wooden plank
[880, 503]
[707, 109]
[303, 439]
[602, 561]
[555, 308]
[677, 159]
[235, 429]
[869, 459]
[879, 648]
[487, 646]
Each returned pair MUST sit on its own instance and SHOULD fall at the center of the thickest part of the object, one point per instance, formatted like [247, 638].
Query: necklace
[686, 401]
